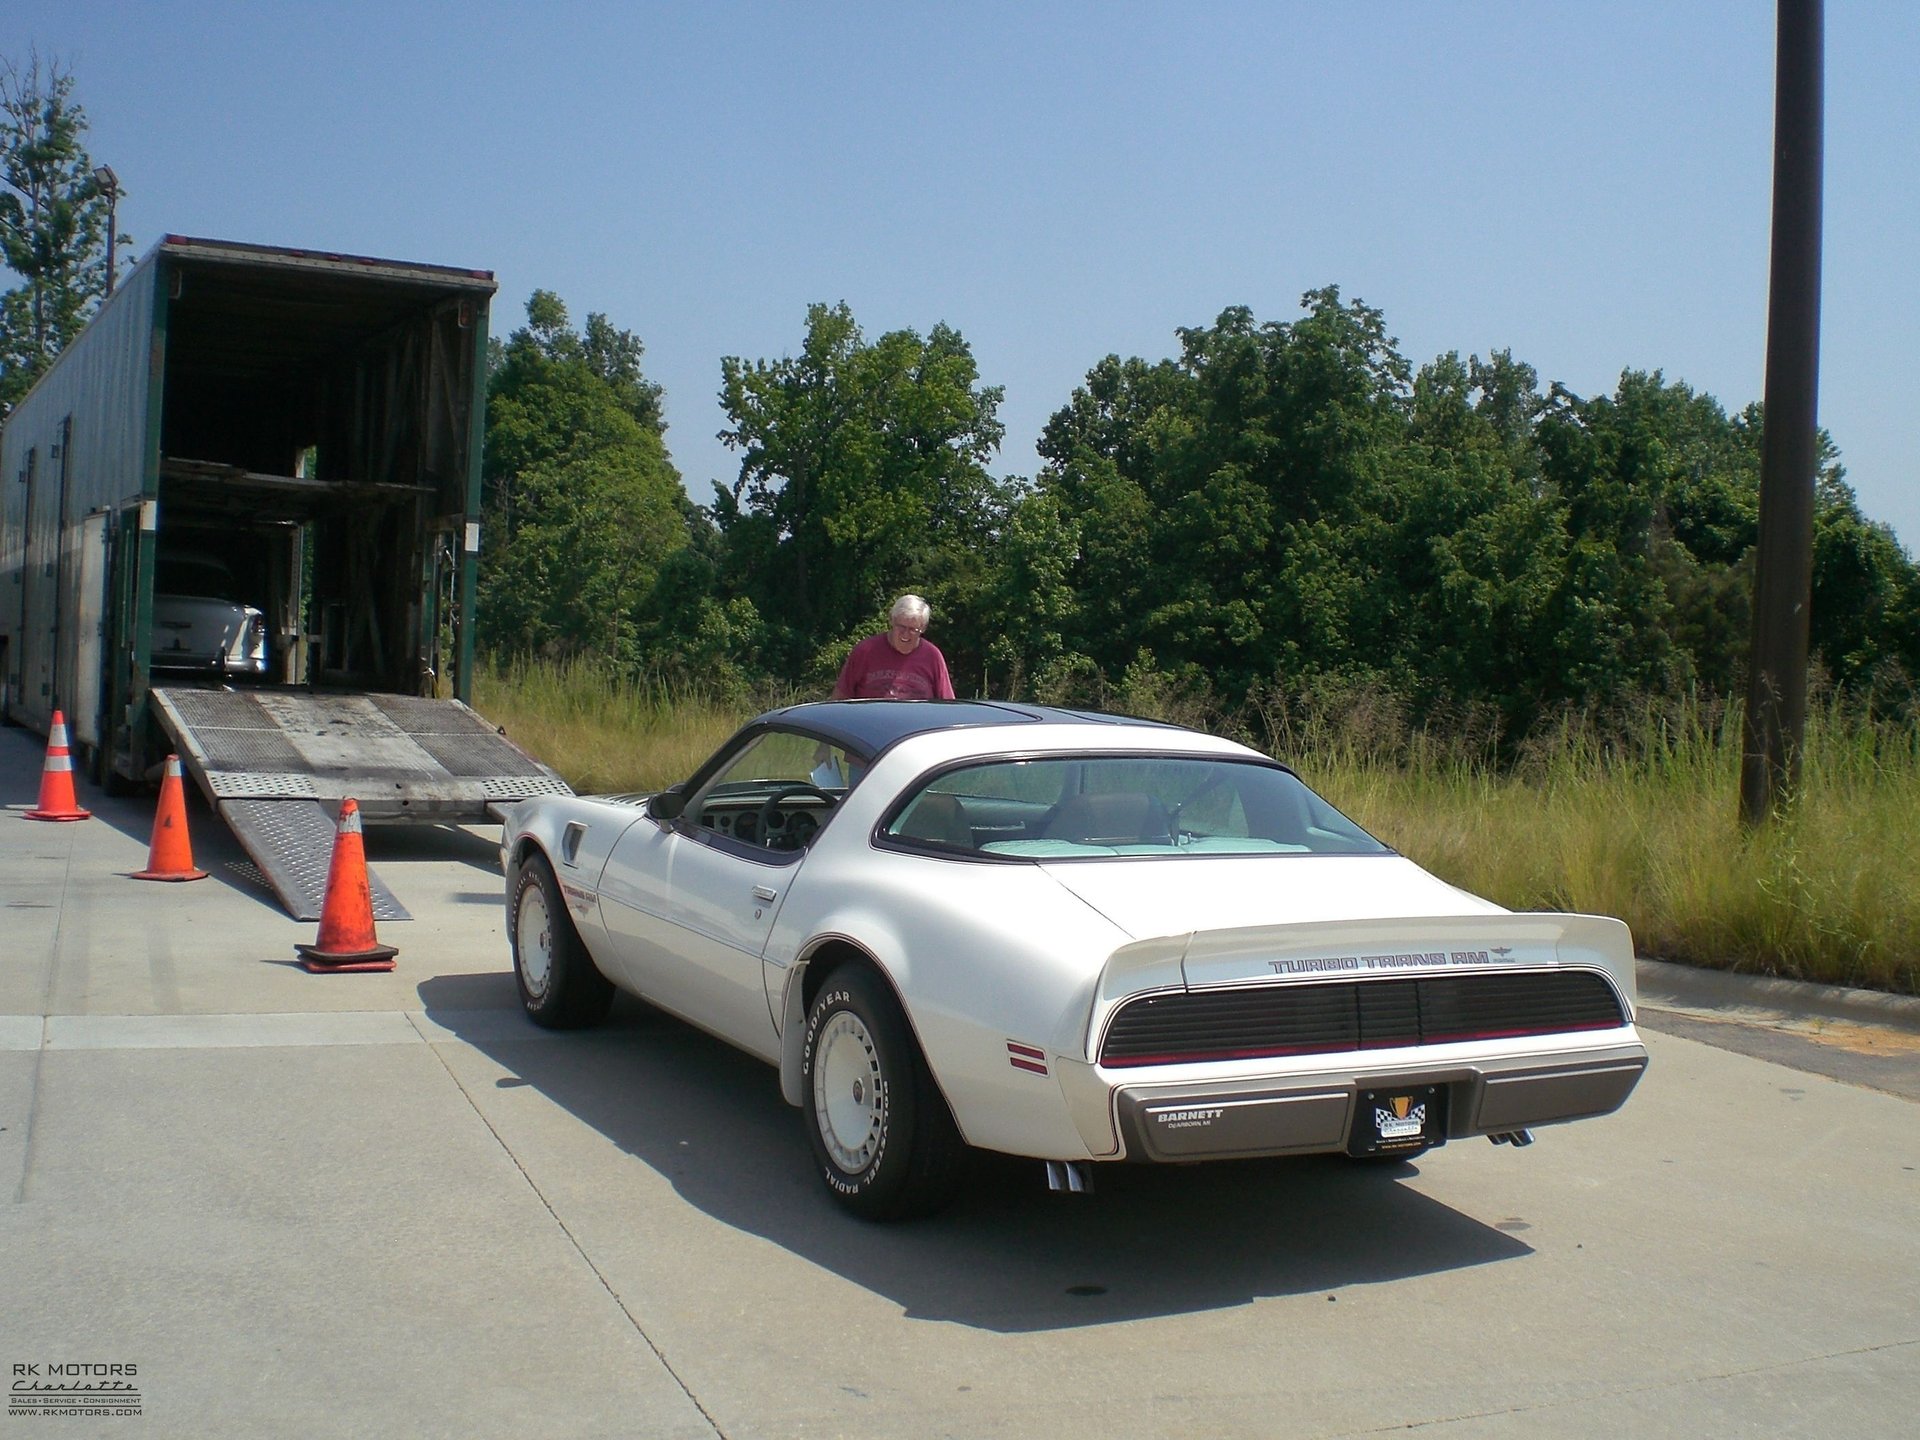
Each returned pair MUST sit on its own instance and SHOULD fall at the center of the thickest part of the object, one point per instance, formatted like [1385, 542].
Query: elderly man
[901, 664]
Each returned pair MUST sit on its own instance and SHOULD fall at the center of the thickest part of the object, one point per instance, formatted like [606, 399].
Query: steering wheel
[770, 807]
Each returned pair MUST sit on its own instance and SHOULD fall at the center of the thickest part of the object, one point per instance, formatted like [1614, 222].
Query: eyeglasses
[900, 629]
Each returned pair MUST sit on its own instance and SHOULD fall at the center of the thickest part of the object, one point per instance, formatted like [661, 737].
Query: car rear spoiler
[1365, 949]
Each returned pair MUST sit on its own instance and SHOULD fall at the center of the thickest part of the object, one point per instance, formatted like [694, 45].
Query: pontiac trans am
[1073, 937]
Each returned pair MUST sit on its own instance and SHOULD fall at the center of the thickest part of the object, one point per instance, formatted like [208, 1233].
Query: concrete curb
[1665, 986]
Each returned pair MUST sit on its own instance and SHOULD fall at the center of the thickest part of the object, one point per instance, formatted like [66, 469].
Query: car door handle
[765, 893]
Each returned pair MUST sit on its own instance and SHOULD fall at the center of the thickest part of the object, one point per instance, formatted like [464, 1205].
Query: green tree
[1475, 549]
[583, 507]
[691, 630]
[1611, 462]
[862, 473]
[1864, 621]
[1230, 505]
[1033, 580]
[53, 223]
[1286, 510]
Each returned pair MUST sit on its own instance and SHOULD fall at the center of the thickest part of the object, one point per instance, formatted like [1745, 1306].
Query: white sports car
[198, 621]
[1069, 936]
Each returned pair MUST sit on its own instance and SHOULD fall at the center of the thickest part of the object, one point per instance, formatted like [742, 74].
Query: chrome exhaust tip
[1515, 1138]
[1072, 1176]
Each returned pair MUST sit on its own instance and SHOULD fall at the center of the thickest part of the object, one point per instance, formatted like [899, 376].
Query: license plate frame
[1397, 1119]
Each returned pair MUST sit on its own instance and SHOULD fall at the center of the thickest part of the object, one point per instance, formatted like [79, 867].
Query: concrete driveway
[385, 1205]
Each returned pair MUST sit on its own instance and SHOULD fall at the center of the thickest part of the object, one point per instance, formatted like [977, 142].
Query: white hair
[912, 609]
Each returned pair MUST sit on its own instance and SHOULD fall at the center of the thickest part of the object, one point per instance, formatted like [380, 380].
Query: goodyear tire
[559, 983]
[879, 1129]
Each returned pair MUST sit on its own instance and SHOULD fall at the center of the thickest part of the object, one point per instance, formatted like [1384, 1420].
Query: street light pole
[104, 177]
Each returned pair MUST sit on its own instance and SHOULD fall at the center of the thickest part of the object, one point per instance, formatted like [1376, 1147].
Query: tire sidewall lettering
[830, 1002]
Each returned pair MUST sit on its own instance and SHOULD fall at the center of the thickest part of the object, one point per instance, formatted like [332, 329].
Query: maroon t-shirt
[876, 671]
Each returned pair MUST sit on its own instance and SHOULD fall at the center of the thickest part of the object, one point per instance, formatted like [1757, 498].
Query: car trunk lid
[1161, 896]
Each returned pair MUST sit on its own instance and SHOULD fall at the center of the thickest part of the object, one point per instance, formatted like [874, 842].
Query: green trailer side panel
[134, 653]
[469, 541]
[84, 427]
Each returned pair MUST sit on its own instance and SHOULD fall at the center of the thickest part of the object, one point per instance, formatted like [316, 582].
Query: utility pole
[1776, 724]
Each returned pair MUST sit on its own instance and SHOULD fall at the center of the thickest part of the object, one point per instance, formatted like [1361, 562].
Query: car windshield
[1097, 806]
[781, 759]
[775, 791]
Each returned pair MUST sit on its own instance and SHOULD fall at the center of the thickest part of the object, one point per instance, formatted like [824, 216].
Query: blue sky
[1586, 185]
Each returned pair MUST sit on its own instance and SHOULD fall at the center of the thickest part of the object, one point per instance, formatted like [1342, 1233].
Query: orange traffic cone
[170, 856]
[56, 779]
[347, 940]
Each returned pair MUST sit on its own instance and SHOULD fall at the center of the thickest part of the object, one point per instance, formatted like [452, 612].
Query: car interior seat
[1123, 818]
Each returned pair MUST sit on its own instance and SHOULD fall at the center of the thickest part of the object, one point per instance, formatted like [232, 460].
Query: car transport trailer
[304, 428]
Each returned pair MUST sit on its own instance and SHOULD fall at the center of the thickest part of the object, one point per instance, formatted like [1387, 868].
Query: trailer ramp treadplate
[292, 843]
[276, 763]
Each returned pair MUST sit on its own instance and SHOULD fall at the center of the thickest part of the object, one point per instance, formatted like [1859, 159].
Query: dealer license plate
[1388, 1121]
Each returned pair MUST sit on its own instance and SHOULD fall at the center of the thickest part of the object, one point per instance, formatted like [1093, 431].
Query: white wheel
[848, 1092]
[533, 943]
[559, 983]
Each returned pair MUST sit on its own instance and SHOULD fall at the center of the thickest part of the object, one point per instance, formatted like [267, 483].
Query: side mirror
[667, 804]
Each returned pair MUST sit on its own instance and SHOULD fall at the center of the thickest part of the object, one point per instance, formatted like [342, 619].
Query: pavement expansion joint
[281, 1030]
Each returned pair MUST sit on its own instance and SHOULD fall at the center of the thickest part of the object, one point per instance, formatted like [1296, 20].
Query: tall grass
[1637, 816]
[1651, 832]
[604, 735]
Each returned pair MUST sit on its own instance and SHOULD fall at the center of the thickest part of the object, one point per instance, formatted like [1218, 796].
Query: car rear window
[183, 575]
[1100, 806]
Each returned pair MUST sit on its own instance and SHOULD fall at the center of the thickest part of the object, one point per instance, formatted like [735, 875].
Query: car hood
[1154, 896]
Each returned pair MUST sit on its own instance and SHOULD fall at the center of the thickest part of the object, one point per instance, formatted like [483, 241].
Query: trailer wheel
[110, 780]
[98, 767]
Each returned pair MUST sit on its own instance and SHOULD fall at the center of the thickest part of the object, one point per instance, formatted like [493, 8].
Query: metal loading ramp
[275, 765]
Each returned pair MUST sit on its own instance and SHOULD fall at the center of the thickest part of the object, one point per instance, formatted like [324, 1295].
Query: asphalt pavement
[384, 1205]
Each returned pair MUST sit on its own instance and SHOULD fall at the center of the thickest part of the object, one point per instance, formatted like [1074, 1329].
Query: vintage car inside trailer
[241, 523]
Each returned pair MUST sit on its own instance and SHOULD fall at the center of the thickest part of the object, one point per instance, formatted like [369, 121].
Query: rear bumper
[220, 664]
[1305, 1115]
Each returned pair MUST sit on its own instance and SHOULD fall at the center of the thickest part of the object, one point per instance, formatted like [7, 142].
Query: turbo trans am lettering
[1421, 959]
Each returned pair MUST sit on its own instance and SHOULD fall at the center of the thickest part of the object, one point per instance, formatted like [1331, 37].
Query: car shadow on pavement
[1007, 1255]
